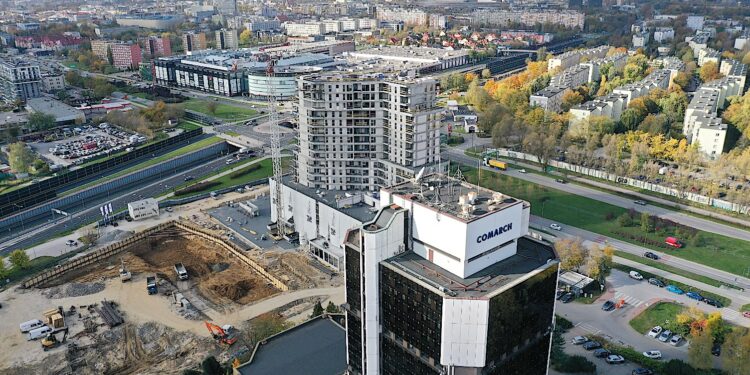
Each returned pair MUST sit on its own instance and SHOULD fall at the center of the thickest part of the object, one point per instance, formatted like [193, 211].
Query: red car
[746, 314]
[674, 242]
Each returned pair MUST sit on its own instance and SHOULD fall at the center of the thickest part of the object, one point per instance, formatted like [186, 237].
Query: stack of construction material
[109, 314]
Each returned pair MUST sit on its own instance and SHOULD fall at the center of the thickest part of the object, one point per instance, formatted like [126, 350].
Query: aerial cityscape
[305, 187]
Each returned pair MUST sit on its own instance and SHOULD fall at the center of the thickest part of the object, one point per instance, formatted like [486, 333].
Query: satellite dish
[419, 175]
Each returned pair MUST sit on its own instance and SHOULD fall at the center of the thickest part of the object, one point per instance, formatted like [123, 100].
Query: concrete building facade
[227, 39]
[19, 80]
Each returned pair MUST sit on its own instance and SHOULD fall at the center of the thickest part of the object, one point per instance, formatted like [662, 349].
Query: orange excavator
[220, 335]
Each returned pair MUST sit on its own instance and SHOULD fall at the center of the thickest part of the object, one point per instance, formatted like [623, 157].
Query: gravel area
[73, 290]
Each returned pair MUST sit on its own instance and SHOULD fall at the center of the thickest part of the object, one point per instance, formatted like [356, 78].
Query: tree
[699, 351]
[631, 118]
[655, 124]
[646, 222]
[486, 74]
[19, 259]
[736, 352]
[211, 366]
[332, 308]
[20, 157]
[211, 107]
[317, 310]
[682, 80]
[477, 96]
[245, 37]
[572, 253]
[674, 105]
[569, 99]
[41, 121]
[3, 269]
[62, 95]
[677, 367]
[709, 72]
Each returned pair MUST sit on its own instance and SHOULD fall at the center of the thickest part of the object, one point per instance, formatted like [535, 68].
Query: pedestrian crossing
[729, 314]
[629, 300]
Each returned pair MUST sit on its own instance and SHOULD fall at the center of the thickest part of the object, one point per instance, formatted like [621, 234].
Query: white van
[39, 333]
[31, 324]
[636, 275]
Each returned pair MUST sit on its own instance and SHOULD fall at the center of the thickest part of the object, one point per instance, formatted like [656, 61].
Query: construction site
[158, 301]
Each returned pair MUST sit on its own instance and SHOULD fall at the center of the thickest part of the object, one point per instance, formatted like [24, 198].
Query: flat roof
[316, 347]
[360, 211]
[442, 193]
[531, 255]
[60, 110]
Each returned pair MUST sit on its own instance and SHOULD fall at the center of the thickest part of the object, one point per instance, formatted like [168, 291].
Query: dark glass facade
[354, 310]
[520, 320]
[396, 360]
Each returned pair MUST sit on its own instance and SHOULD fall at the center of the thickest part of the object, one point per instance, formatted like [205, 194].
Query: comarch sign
[495, 232]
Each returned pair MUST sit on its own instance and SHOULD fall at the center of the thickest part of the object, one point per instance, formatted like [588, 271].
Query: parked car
[71, 243]
[653, 354]
[694, 295]
[635, 275]
[578, 340]
[746, 314]
[601, 353]
[559, 294]
[674, 242]
[555, 226]
[657, 282]
[674, 289]
[613, 359]
[642, 371]
[651, 255]
[675, 340]
[713, 302]
[591, 345]
[607, 306]
[664, 337]
[640, 202]
[654, 332]
[567, 298]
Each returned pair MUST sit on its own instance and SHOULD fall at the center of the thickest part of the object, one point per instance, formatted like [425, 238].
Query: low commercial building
[19, 80]
[143, 209]
[329, 47]
[430, 60]
[63, 113]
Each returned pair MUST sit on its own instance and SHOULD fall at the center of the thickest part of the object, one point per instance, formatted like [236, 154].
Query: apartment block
[259, 24]
[227, 39]
[125, 55]
[100, 48]
[566, 60]
[411, 17]
[706, 55]
[549, 98]
[574, 76]
[618, 62]
[53, 82]
[641, 39]
[663, 34]
[19, 80]
[697, 42]
[695, 22]
[503, 18]
[363, 131]
[305, 29]
[158, 47]
[194, 41]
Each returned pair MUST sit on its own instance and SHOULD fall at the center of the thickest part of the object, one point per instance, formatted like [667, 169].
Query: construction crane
[273, 117]
[220, 335]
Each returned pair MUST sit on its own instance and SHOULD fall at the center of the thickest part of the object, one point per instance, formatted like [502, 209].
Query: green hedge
[197, 187]
[576, 364]
[244, 171]
[687, 288]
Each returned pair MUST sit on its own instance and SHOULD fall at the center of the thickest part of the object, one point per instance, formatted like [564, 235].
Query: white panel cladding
[478, 237]
[463, 338]
[334, 224]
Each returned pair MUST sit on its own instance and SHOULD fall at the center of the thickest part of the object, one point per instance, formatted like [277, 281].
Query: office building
[216, 76]
[158, 47]
[19, 80]
[194, 41]
[125, 56]
[444, 280]
[227, 39]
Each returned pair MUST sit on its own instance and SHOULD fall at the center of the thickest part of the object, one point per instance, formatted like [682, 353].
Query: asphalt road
[678, 217]
[88, 211]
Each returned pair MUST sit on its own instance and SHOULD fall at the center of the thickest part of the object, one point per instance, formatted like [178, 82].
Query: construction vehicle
[124, 273]
[501, 165]
[51, 342]
[182, 273]
[151, 285]
[220, 335]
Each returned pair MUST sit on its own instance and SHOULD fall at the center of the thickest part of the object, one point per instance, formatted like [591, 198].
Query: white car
[665, 336]
[675, 340]
[521, 171]
[636, 275]
[654, 332]
[555, 226]
[615, 359]
[578, 340]
[653, 354]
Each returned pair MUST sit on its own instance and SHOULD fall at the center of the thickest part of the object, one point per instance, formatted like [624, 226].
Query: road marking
[588, 328]
[629, 300]
[729, 313]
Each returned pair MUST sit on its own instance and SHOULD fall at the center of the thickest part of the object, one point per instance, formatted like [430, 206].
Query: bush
[562, 324]
[625, 220]
[201, 186]
[609, 216]
[244, 171]
[576, 364]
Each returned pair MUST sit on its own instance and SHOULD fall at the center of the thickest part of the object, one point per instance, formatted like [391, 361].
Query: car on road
[694, 295]
[640, 202]
[567, 297]
[71, 243]
[614, 359]
[635, 275]
[561, 181]
[602, 353]
[654, 332]
[642, 371]
[555, 226]
[664, 336]
[713, 302]
[675, 340]
[591, 345]
[521, 171]
[607, 306]
[716, 349]
[653, 354]
[578, 340]
[656, 282]
[189, 178]
[651, 255]
[674, 289]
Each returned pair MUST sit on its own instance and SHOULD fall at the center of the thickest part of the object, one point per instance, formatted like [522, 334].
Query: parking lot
[77, 145]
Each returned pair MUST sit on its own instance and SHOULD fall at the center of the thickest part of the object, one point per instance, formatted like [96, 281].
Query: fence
[48, 276]
[645, 185]
[20, 199]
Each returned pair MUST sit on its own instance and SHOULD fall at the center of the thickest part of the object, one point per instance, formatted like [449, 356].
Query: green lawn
[265, 171]
[223, 111]
[745, 307]
[655, 315]
[721, 252]
[179, 152]
[188, 125]
[674, 270]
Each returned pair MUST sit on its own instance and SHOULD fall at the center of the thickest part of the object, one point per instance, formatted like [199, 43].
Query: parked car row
[610, 357]
[664, 335]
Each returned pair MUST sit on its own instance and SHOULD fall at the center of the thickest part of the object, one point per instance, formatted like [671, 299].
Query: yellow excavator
[51, 342]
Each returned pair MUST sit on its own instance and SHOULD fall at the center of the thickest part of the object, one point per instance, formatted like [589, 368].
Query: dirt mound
[235, 292]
